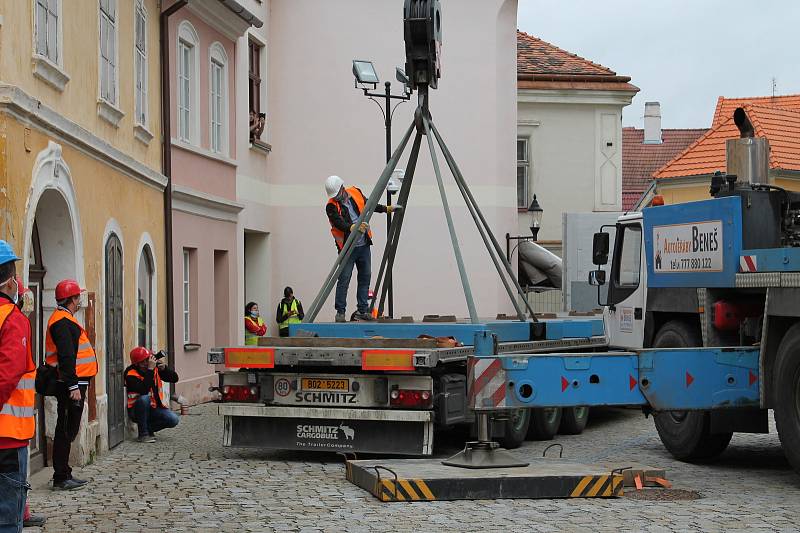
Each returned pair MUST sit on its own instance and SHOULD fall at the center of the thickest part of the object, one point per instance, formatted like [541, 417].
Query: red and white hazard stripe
[486, 380]
[748, 263]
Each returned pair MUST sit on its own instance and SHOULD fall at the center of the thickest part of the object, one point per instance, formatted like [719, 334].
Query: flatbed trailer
[348, 391]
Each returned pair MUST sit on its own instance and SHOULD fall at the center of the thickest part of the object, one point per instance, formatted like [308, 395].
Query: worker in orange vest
[17, 396]
[343, 209]
[68, 348]
[144, 383]
[26, 303]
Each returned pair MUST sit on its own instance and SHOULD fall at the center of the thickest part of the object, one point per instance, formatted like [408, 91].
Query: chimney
[652, 123]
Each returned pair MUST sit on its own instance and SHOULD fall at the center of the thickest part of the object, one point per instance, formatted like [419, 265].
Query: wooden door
[115, 388]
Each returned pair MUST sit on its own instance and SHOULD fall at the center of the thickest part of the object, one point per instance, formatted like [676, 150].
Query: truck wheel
[516, 429]
[786, 392]
[573, 420]
[544, 423]
[686, 434]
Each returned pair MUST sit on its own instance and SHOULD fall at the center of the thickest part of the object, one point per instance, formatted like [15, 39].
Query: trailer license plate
[312, 384]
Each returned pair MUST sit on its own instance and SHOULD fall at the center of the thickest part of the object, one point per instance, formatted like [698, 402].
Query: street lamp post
[365, 75]
[535, 211]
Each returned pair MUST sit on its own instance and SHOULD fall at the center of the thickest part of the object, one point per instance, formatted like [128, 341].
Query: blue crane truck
[702, 310]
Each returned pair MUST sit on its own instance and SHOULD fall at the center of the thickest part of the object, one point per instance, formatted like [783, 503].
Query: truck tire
[573, 420]
[686, 434]
[516, 429]
[786, 393]
[544, 423]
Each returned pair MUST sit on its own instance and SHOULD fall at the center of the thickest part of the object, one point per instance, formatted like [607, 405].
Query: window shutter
[41, 28]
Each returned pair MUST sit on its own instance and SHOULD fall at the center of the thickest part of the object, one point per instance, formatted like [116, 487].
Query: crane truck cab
[721, 272]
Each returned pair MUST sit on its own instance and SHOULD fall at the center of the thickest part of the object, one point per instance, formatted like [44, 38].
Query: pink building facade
[202, 47]
[318, 124]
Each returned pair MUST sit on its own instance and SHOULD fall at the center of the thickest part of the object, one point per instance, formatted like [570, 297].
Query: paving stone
[188, 482]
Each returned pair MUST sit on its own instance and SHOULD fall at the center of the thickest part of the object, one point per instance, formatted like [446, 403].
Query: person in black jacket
[290, 311]
[69, 349]
[147, 403]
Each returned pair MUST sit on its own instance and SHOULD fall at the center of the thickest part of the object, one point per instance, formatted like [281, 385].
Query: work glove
[393, 208]
[362, 228]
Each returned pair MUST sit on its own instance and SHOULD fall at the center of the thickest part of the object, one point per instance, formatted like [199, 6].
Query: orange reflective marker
[387, 360]
[250, 357]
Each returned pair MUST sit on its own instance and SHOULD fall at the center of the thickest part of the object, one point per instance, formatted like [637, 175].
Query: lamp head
[364, 72]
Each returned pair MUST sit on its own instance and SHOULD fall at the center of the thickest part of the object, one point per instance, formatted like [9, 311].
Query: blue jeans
[150, 419]
[362, 260]
[13, 488]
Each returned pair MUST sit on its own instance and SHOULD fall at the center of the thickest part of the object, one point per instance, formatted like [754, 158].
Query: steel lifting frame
[423, 125]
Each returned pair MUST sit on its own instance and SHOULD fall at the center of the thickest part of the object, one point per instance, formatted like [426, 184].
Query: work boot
[69, 484]
[34, 520]
[362, 317]
[146, 438]
[340, 317]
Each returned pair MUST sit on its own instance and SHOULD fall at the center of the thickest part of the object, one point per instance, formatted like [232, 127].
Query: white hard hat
[333, 185]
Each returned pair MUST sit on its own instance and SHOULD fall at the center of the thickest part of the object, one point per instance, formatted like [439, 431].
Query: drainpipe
[166, 159]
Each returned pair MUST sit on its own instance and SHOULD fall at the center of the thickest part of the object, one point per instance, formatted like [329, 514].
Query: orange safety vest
[86, 363]
[133, 396]
[357, 196]
[16, 415]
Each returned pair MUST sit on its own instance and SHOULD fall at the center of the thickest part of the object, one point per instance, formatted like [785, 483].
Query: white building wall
[575, 144]
[319, 125]
[251, 179]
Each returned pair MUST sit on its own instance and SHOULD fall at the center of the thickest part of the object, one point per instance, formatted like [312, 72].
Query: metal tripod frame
[424, 126]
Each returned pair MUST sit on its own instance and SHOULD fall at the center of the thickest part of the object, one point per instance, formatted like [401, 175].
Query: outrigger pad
[429, 480]
[476, 456]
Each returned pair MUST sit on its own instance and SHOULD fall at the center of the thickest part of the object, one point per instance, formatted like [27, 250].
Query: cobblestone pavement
[188, 482]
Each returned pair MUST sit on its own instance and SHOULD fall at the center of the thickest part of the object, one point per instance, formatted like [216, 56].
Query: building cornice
[227, 16]
[192, 201]
[17, 102]
[574, 96]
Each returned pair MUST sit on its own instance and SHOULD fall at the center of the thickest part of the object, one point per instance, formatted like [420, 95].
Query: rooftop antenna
[774, 85]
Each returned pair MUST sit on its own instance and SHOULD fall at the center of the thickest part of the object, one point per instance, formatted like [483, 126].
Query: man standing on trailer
[344, 207]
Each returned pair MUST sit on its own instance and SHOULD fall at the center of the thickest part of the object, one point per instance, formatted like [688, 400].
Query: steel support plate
[429, 480]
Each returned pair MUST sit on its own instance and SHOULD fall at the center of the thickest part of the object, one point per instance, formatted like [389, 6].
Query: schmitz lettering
[693, 247]
[325, 397]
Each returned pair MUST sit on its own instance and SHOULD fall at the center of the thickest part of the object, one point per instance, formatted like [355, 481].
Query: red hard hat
[67, 288]
[139, 354]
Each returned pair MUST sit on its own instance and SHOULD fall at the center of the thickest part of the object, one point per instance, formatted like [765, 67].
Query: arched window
[188, 86]
[218, 98]
[145, 298]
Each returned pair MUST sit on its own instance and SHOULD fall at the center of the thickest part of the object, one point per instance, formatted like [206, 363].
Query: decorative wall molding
[15, 101]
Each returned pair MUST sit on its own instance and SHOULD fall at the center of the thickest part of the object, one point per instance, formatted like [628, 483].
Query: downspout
[166, 159]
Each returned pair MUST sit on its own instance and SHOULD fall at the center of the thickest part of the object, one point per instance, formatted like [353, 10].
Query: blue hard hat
[7, 254]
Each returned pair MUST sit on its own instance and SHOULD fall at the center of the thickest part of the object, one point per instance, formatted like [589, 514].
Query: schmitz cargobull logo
[325, 432]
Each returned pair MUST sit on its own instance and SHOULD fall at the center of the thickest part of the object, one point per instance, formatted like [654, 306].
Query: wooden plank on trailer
[331, 342]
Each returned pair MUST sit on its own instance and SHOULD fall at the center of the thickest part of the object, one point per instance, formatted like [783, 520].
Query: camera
[161, 354]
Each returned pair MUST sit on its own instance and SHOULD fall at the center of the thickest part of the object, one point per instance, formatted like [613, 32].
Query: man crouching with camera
[147, 403]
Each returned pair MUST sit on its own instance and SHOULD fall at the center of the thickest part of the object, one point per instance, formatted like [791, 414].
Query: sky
[682, 53]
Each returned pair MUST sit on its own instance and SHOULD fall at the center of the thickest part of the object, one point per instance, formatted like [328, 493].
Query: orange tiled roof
[726, 106]
[541, 65]
[707, 155]
[640, 161]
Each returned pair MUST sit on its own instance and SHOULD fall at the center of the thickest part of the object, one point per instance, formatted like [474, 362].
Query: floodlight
[396, 181]
[364, 72]
[400, 74]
